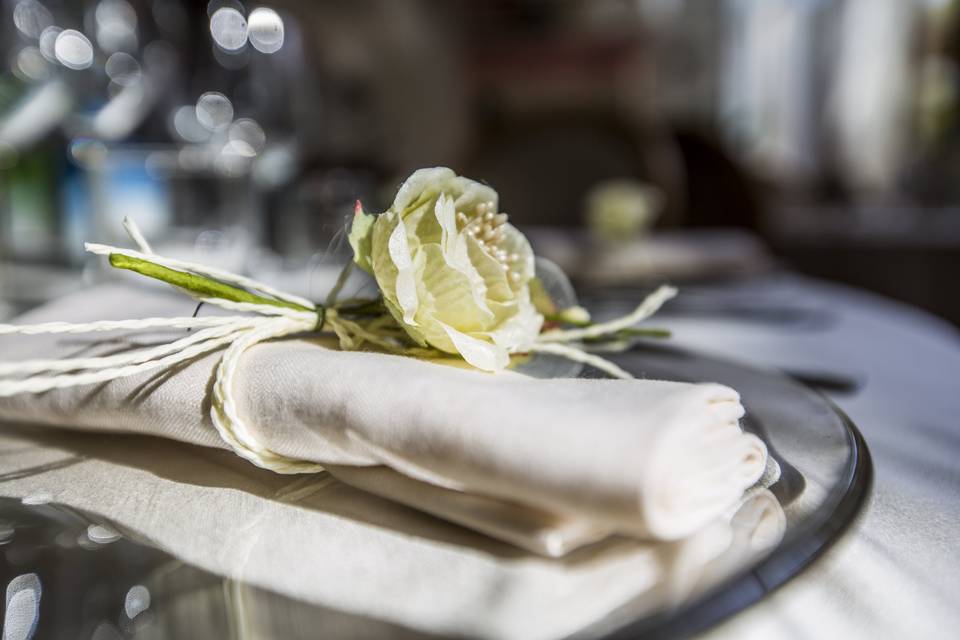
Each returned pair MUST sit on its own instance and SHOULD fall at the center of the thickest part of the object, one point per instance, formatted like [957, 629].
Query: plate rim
[783, 564]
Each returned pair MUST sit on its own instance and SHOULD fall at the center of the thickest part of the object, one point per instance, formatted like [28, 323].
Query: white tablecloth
[896, 573]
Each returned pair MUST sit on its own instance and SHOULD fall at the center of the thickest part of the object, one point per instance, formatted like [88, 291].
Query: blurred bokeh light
[827, 130]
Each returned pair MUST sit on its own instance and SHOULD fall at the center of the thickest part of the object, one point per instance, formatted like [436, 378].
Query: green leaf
[360, 237]
[199, 285]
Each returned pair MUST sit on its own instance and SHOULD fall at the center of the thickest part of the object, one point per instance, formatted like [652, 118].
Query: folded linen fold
[651, 459]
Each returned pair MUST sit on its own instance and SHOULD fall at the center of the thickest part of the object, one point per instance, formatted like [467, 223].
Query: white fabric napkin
[582, 458]
[367, 567]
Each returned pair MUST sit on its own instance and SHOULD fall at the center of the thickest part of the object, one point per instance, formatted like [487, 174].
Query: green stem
[624, 334]
[558, 317]
[199, 285]
[646, 332]
[362, 307]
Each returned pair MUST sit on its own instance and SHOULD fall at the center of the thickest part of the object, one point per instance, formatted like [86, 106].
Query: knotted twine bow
[276, 314]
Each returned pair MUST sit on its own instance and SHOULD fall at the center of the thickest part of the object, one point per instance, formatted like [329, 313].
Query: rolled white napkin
[649, 459]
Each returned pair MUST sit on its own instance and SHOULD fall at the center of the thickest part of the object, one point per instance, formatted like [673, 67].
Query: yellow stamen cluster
[486, 226]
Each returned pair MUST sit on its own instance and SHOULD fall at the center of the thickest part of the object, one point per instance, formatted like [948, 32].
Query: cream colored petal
[451, 293]
[416, 333]
[384, 270]
[516, 243]
[493, 274]
[479, 353]
[520, 330]
[422, 225]
[406, 274]
[459, 259]
[454, 248]
[419, 181]
[447, 219]
[471, 193]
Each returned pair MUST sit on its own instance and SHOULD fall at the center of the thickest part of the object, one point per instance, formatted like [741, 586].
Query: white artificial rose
[452, 271]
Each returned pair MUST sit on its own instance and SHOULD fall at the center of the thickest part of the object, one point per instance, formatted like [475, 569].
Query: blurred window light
[30, 65]
[766, 86]
[117, 38]
[31, 18]
[872, 92]
[187, 127]
[114, 90]
[48, 42]
[109, 11]
[124, 112]
[161, 165]
[214, 111]
[87, 152]
[116, 25]
[231, 163]
[41, 111]
[265, 30]
[193, 158]
[229, 29]
[123, 69]
[247, 137]
[73, 50]
[275, 167]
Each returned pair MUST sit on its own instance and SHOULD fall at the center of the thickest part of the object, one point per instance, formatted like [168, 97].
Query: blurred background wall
[827, 128]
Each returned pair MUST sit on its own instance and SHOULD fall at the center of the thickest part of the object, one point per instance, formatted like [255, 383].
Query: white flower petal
[473, 193]
[407, 295]
[459, 259]
[490, 270]
[520, 330]
[406, 276]
[448, 294]
[454, 247]
[447, 218]
[419, 181]
[515, 242]
[479, 353]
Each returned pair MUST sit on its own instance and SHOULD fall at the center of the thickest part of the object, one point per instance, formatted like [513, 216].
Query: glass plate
[825, 477]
